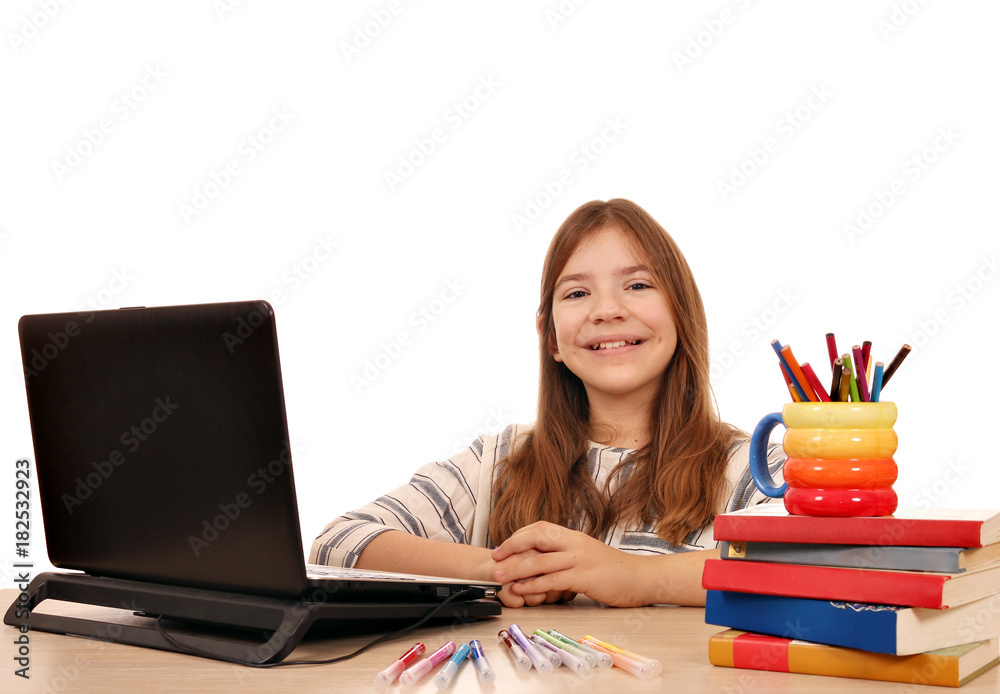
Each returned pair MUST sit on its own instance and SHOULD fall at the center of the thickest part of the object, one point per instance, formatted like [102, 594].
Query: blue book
[876, 628]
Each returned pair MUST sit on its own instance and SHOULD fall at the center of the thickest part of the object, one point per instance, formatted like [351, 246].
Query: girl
[612, 492]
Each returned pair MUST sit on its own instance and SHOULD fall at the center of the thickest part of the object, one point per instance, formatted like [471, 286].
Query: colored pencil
[862, 381]
[903, 352]
[866, 351]
[877, 382]
[797, 372]
[849, 367]
[844, 394]
[784, 362]
[786, 351]
[838, 367]
[814, 382]
[831, 347]
[788, 382]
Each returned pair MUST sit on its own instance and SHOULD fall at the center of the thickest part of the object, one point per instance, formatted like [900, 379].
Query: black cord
[194, 650]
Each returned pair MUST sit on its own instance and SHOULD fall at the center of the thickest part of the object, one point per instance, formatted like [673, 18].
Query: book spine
[935, 559]
[911, 589]
[918, 532]
[870, 628]
[759, 652]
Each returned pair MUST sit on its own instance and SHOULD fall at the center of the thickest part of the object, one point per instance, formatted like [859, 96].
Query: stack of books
[913, 597]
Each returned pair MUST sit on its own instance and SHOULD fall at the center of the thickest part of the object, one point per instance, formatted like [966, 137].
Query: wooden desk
[677, 636]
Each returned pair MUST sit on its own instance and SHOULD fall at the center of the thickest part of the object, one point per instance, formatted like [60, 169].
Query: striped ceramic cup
[839, 458]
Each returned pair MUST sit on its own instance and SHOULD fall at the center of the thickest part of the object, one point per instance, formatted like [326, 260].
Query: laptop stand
[282, 622]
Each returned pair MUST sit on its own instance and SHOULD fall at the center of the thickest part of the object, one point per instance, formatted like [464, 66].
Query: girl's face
[613, 328]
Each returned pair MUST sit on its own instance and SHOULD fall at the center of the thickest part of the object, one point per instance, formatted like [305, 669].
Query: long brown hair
[676, 481]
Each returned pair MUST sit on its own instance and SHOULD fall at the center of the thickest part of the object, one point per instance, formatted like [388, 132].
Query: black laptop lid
[161, 445]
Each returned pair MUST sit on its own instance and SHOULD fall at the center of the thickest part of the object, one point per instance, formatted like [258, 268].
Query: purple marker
[541, 663]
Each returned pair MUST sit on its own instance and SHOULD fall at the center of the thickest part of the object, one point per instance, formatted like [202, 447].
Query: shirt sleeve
[438, 503]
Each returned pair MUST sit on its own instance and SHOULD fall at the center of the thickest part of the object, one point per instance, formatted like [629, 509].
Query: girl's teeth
[610, 345]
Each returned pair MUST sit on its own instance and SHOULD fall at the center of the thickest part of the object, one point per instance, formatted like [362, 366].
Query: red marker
[389, 675]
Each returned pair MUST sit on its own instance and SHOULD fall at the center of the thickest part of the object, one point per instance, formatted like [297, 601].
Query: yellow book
[947, 667]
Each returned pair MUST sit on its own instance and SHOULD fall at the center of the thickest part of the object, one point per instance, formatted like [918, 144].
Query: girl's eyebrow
[621, 272]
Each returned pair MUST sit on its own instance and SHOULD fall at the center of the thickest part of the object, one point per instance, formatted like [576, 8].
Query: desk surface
[677, 636]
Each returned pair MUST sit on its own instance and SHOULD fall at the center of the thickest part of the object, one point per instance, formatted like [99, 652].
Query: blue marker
[486, 673]
[443, 679]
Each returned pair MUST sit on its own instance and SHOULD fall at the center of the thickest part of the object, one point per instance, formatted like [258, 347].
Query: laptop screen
[162, 447]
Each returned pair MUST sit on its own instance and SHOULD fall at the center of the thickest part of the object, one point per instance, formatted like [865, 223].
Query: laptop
[163, 457]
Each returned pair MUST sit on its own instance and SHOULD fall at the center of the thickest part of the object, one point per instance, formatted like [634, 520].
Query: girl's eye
[639, 285]
[577, 294]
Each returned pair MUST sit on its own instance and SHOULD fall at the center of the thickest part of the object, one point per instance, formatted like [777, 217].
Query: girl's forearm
[674, 579]
[401, 552]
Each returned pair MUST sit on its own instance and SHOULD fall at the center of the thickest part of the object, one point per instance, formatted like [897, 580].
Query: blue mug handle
[758, 456]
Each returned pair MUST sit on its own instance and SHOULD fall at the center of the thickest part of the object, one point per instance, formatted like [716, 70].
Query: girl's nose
[608, 307]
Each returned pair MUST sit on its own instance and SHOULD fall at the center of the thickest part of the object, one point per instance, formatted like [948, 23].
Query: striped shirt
[450, 501]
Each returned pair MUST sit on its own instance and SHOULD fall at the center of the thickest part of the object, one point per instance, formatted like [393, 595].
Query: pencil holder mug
[839, 458]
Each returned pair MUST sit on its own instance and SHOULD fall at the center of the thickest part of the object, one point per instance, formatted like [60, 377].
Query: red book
[908, 588]
[908, 526]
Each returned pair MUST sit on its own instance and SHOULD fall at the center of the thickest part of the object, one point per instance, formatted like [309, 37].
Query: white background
[823, 107]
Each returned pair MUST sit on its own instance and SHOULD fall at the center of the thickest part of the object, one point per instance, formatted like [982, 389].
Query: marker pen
[580, 651]
[548, 650]
[540, 662]
[657, 668]
[641, 670]
[442, 680]
[486, 673]
[413, 674]
[519, 657]
[573, 659]
[389, 675]
[603, 659]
